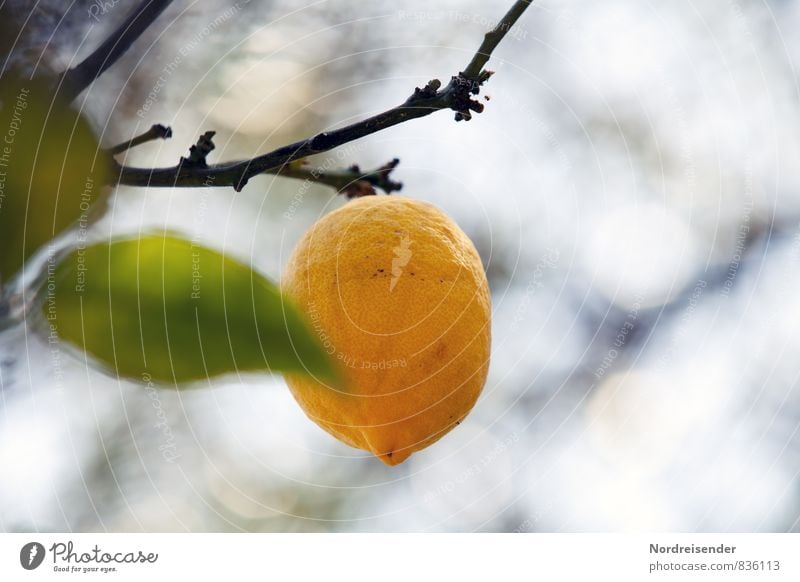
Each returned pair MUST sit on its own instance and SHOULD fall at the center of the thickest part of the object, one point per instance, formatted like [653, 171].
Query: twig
[423, 102]
[457, 95]
[158, 131]
[493, 38]
[351, 181]
[82, 75]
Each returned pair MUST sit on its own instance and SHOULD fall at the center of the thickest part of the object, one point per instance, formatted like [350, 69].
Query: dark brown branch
[236, 174]
[457, 95]
[492, 39]
[351, 181]
[81, 76]
[158, 131]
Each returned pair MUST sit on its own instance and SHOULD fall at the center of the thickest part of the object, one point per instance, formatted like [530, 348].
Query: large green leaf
[161, 307]
[52, 170]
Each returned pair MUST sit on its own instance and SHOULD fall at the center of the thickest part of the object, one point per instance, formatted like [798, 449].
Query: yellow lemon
[397, 294]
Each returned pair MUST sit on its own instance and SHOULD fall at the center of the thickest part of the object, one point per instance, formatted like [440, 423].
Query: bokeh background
[633, 188]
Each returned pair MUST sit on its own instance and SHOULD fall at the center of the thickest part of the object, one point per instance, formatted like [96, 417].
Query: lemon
[397, 295]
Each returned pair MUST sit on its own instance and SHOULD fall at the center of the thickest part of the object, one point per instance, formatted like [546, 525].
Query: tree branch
[82, 75]
[457, 96]
[493, 38]
[351, 181]
[157, 131]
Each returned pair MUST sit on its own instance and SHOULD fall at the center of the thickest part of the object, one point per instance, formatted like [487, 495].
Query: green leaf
[52, 171]
[164, 308]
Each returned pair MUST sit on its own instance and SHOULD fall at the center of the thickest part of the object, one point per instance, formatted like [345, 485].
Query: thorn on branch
[199, 151]
[241, 181]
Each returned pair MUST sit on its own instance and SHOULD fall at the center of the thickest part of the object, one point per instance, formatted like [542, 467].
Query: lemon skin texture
[398, 296]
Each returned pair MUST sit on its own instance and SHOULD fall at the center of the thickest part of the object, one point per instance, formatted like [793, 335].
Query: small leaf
[164, 308]
[52, 171]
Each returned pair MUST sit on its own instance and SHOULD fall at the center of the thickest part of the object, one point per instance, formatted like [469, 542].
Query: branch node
[199, 151]
[429, 91]
[320, 141]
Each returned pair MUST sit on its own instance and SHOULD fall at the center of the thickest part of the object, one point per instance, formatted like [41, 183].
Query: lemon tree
[383, 323]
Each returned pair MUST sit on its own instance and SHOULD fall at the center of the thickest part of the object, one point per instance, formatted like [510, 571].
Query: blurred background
[633, 188]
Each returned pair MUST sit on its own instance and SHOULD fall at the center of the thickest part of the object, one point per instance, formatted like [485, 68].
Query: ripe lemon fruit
[397, 294]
